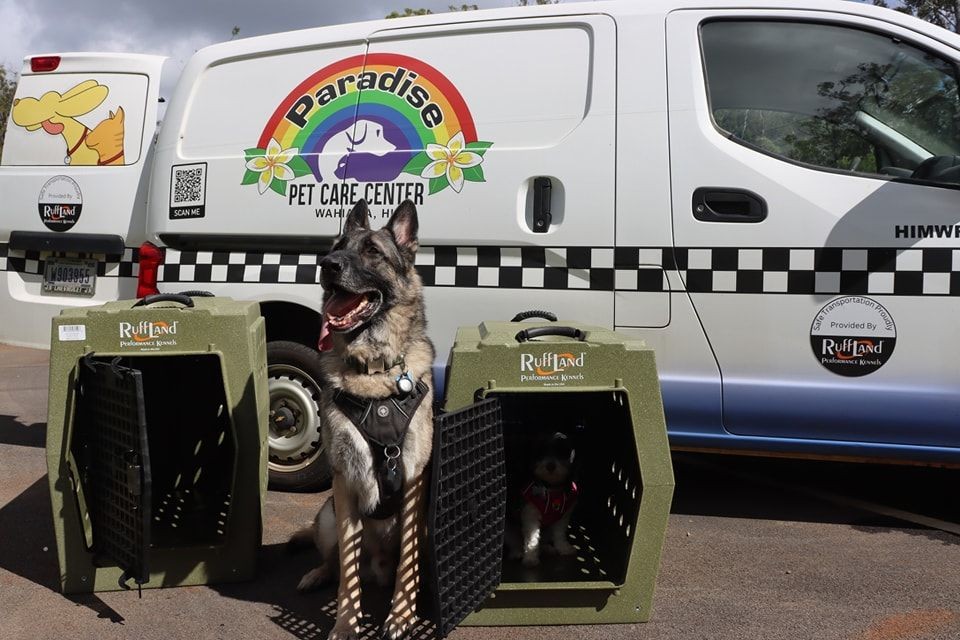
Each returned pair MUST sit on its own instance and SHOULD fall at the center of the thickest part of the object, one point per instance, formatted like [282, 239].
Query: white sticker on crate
[72, 332]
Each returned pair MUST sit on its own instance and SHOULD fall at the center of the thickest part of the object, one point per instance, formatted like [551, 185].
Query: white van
[73, 185]
[766, 193]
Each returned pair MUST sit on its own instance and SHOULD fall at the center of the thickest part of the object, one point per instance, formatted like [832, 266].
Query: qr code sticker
[188, 185]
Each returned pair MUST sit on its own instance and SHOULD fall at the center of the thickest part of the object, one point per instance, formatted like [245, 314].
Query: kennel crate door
[114, 460]
[467, 508]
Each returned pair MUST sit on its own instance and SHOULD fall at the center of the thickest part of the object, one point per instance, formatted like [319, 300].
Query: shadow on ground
[865, 496]
[12, 431]
[29, 546]
[308, 616]
[723, 486]
[29, 549]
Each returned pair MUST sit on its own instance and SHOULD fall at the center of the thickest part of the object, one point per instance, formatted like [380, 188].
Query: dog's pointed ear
[358, 218]
[404, 226]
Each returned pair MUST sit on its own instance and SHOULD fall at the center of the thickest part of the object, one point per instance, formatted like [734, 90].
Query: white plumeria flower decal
[450, 160]
[272, 164]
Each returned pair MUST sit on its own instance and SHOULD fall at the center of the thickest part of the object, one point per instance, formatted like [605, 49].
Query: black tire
[298, 461]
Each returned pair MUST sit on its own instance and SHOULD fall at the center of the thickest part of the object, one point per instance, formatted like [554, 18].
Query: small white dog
[548, 501]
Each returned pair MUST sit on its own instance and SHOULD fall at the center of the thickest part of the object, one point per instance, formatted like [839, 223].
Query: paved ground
[756, 549]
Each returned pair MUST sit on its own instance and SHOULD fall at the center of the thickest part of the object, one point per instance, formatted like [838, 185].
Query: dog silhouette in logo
[107, 139]
[57, 114]
[370, 151]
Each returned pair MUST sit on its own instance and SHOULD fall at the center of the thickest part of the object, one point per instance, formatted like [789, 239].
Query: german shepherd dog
[377, 362]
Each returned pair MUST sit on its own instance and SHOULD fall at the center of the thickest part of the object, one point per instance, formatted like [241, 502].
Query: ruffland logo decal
[60, 203]
[356, 125]
[551, 368]
[146, 334]
[853, 336]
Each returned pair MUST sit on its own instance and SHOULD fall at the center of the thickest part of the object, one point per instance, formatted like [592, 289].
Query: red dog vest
[551, 503]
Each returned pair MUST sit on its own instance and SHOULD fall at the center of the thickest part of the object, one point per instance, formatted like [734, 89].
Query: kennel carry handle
[534, 313]
[539, 332]
[184, 297]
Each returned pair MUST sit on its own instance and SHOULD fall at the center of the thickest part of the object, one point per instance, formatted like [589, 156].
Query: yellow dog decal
[57, 114]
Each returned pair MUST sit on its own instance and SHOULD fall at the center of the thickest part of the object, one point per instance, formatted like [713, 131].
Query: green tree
[425, 12]
[462, 7]
[409, 12]
[943, 13]
[8, 87]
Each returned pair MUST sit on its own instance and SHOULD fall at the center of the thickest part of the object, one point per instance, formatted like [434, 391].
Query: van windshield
[76, 119]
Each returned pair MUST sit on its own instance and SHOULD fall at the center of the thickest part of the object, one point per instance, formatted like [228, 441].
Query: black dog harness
[383, 423]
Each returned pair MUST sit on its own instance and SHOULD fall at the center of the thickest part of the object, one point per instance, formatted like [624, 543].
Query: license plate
[76, 277]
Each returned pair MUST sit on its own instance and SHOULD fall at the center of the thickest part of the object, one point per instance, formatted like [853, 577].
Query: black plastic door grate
[115, 466]
[467, 509]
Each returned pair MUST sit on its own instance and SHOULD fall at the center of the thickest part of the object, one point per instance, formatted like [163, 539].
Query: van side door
[815, 165]
[503, 133]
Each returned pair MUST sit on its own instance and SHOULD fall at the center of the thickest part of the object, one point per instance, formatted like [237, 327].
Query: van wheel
[297, 459]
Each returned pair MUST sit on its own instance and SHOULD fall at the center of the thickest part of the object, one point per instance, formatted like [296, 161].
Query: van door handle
[542, 188]
[720, 204]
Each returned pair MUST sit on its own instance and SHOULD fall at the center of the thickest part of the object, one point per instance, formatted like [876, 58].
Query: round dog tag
[404, 383]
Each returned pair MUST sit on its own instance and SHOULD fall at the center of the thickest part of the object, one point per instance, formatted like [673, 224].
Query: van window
[835, 97]
[76, 119]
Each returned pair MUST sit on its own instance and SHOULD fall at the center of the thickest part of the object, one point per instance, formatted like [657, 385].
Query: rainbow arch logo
[369, 118]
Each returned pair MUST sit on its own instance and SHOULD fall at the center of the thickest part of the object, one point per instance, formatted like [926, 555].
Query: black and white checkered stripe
[221, 266]
[900, 272]
[585, 268]
[34, 262]
[883, 271]
[589, 268]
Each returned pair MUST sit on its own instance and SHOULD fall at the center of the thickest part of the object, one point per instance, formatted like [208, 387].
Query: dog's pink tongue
[341, 304]
[53, 128]
[326, 339]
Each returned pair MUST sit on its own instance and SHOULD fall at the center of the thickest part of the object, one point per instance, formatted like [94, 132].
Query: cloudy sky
[175, 28]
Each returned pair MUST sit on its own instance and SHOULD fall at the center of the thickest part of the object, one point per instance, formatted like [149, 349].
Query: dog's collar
[109, 160]
[83, 137]
[379, 365]
[539, 486]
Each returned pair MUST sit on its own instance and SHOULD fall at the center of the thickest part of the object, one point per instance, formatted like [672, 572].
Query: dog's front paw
[397, 626]
[344, 632]
[313, 579]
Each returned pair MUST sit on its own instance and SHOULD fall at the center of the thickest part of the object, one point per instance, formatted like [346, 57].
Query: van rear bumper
[26, 309]
[72, 242]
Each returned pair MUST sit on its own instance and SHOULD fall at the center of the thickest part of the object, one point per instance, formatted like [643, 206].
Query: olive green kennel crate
[156, 442]
[603, 387]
